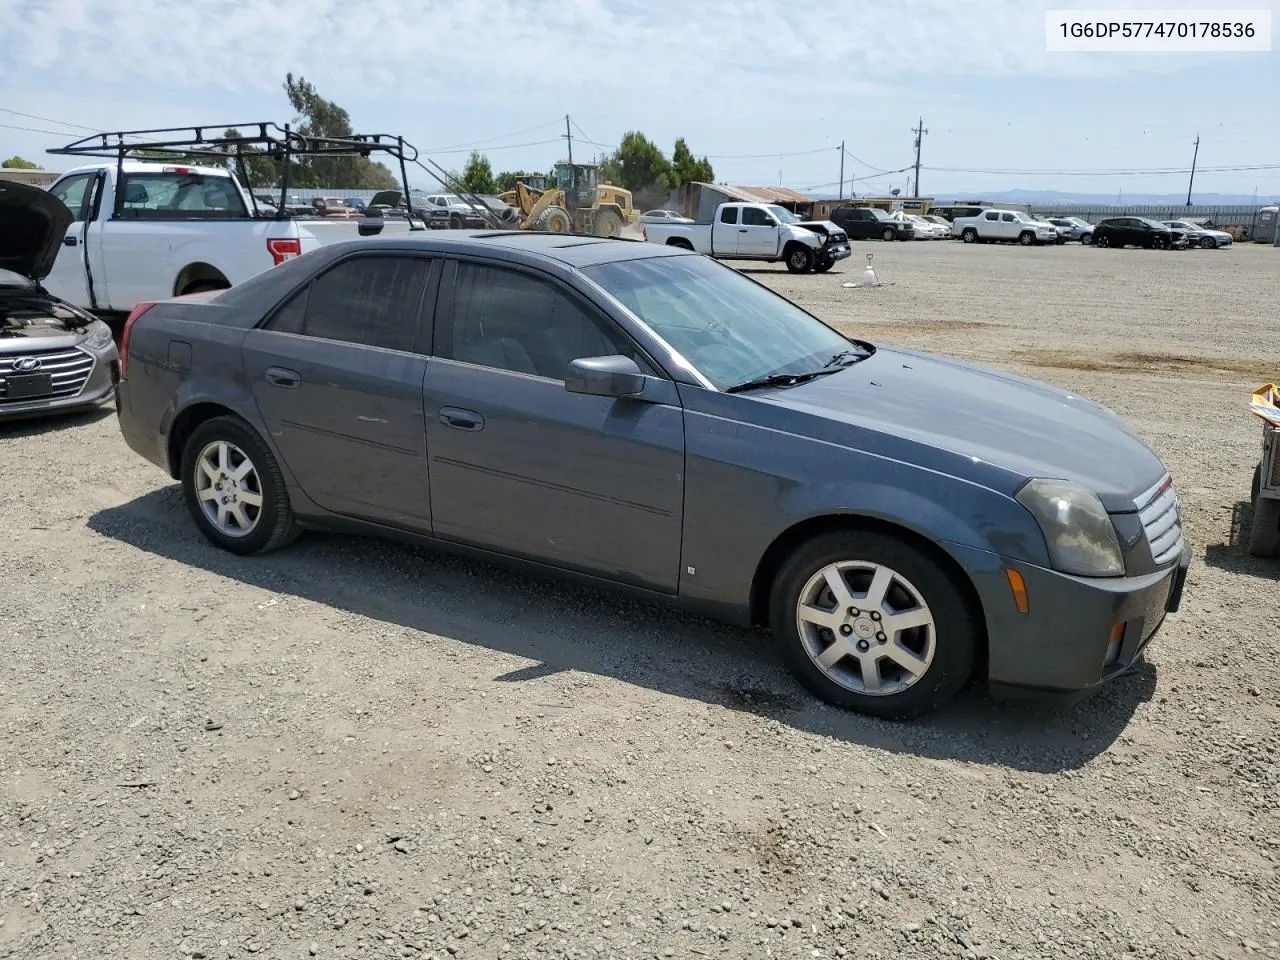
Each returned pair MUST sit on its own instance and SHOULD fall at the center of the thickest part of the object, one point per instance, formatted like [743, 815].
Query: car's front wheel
[1026, 238]
[800, 259]
[234, 488]
[1208, 243]
[824, 266]
[872, 623]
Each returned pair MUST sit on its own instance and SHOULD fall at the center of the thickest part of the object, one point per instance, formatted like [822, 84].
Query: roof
[758, 194]
[574, 250]
[131, 165]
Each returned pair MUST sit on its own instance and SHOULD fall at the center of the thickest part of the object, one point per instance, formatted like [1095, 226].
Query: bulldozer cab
[579, 182]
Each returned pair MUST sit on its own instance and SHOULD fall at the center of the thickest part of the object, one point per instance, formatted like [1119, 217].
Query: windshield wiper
[846, 357]
[780, 380]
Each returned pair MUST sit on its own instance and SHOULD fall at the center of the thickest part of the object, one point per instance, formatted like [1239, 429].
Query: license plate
[27, 386]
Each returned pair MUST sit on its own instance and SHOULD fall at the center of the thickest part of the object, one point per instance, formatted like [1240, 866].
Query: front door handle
[281, 377]
[742, 229]
[461, 419]
[68, 241]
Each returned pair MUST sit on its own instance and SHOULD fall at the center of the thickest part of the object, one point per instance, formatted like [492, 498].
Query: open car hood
[32, 225]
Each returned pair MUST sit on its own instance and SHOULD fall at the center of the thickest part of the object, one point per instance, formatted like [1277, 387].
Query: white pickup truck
[758, 231]
[1012, 226]
[149, 231]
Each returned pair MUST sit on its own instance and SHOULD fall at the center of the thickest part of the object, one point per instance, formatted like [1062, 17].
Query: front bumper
[1063, 644]
[836, 251]
[97, 389]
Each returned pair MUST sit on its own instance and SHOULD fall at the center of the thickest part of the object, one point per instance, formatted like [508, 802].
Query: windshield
[878, 214]
[784, 215]
[730, 328]
[1024, 217]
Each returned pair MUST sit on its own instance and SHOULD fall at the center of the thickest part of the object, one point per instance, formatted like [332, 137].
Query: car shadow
[564, 626]
[38, 424]
[1233, 556]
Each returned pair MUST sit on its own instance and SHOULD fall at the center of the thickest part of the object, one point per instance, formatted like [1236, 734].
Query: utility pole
[919, 131]
[841, 169]
[1193, 169]
[568, 135]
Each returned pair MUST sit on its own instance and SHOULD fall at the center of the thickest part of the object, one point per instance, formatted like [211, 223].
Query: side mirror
[369, 227]
[615, 376]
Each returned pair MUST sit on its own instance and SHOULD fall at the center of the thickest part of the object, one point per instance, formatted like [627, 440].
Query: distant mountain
[1058, 197]
[1066, 199]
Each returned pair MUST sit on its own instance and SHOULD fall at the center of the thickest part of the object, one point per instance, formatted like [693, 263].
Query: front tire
[874, 624]
[800, 259]
[608, 224]
[1102, 241]
[234, 488]
[1026, 238]
[1208, 243]
[824, 266]
[1086, 239]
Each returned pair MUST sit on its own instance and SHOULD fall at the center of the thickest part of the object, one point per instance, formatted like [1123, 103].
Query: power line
[33, 116]
[55, 133]
[505, 136]
[504, 146]
[1131, 172]
[771, 156]
[861, 162]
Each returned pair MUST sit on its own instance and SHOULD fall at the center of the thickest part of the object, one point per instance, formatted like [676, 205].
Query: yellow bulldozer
[574, 202]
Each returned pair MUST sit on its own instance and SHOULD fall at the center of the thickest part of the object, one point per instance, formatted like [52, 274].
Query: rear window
[176, 196]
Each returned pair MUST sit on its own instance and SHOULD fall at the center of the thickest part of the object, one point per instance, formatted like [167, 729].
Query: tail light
[283, 248]
[134, 314]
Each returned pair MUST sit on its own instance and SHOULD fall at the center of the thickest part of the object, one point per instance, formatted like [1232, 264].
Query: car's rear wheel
[1264, 535]
[969, 235]
[800, 259]
[871, 623]
[1208, 243]
[234, 488]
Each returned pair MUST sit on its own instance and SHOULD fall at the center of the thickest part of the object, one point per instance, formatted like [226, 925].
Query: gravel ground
[358, 749]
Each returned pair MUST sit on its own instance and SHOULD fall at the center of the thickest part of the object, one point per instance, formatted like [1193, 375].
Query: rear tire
[270, 519]
[969, 235]
[917, 666]
[608, 224]
[800, 259]
[1264, 535]
[204, 286]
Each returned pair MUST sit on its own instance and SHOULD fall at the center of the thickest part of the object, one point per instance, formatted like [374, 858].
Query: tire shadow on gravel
[1233, 556]
[563, 626]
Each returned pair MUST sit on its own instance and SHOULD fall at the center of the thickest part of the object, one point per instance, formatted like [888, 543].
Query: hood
[1020, 426]
[32, 224]
[819, 226]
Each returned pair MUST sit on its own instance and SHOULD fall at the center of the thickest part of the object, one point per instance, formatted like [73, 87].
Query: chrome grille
[1159, 510]
[70, 369]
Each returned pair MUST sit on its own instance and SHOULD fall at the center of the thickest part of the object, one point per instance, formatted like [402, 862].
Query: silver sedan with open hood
[53, 355]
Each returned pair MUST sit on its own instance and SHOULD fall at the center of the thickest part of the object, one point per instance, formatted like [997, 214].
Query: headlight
[1080, 536]
[100, 338]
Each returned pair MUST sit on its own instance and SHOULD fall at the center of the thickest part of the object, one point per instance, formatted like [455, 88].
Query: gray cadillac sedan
[649, 418]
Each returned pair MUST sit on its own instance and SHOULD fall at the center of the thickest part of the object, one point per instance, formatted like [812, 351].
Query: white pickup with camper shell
[758, 231]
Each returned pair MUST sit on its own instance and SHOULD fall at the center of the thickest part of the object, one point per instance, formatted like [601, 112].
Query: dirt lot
[355, 749]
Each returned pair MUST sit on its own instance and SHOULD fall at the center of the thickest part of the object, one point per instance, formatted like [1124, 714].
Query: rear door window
[375, 301]
[177, 196]
[729, 215]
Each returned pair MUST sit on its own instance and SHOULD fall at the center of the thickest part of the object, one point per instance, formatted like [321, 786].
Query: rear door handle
[68, 241]
[461, 419]
[742, 229]
[282, 377]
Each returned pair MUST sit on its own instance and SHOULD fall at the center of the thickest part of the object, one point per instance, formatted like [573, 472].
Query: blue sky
[763, 88]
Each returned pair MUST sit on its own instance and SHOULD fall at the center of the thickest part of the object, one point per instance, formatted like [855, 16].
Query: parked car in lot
[53, 355]
[871, 223]
[1137, 232]
[1004, 226]
[664, 216]
[460, 212]
[334, 207]
[1198, 236]
[1076, 229]
[641, 416]
[923, 229]
[758, 231]
[943, 222]
[355, 203]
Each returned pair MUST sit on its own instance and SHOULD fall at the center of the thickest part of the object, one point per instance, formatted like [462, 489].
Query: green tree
[318, 117]
[260, 170]
[506, 180]
[639, 166]
[686, 168]
[18, 163]
[477, 175]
